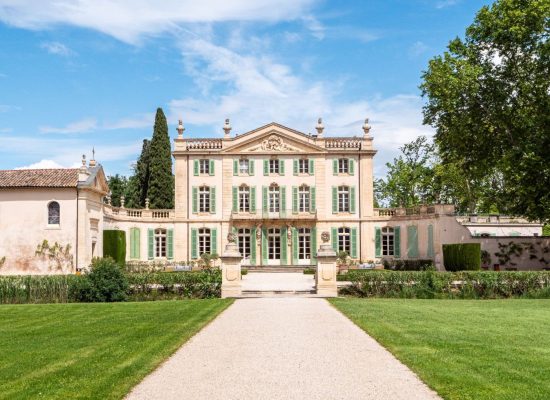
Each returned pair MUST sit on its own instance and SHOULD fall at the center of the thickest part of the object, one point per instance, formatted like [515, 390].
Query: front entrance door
[304, 246]
[274, 246]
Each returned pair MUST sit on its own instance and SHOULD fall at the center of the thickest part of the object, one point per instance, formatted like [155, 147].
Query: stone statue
[325, 237]
[231, 237]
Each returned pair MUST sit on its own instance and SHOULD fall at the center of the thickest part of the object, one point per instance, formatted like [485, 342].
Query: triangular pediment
[274, 138]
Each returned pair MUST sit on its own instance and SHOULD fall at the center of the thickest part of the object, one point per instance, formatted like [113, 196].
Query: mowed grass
[464, 349]
[92, 351]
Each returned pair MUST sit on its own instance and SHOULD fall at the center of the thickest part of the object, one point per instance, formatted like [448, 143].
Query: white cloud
[57, 48]
[6, 108]
[140, 121]
[82, 126]
[314, 26]
[446, 3]
[43, 164]
[417, 49]
[130, 20]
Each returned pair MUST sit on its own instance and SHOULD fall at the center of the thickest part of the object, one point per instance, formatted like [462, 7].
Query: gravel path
[282, 348]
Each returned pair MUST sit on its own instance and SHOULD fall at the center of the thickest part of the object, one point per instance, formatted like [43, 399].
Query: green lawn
[464, 349]
[92, 351]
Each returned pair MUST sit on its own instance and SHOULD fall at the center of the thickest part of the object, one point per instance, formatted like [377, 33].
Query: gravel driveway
[282, 348]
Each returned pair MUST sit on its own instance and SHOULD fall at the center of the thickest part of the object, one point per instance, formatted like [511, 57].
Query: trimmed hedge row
[450, 285]
[462, 257]
[114, 246]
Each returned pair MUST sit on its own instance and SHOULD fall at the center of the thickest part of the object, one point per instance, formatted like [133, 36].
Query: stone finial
[147, 203]
[122, 200]
[320, 127]
[180, 129]
[84, 160]
[108, 198]
[227, 128]
[366, 127]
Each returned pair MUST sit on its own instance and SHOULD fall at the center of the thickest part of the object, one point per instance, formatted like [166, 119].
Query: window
[244, 166]
[53, 213]
[274, 244]
[303, 166]
[343, 199]
[274, 199]
[204, 241]
[273, 166]
[343, 166]
[204, 166]
[244, 240]
[244, 199]
[204, 199]
[304, 243]
[303, 198]
[388, 240]
[160, 243]
[344, 240]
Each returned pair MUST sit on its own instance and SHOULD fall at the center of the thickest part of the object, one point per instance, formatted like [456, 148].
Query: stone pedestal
[325, 279]
[231, 271]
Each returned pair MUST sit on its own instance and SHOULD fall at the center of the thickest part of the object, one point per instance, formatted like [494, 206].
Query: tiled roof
[39, 178]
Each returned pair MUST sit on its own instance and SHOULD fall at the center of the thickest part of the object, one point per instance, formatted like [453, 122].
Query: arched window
[53, 213]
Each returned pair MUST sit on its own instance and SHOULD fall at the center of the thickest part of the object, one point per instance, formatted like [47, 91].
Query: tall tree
[142, 172]
[160, 188]
[488, 97]
[117, 185]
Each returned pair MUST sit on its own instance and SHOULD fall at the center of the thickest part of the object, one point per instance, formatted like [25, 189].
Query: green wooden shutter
[251, 167]
[253, 246]
[412, 241]
[284, 245]
[264, 198]
[311, 167]
[334, 239]
[281, 167]
[335, 167]
[150, 244]
[353, 238]
[211, 172]
[195, 200]
[397, 241]
[196, 167]
[283, 200]
[266, 167]
[170, 243]
[295, 167]
[253, 199]
[334, 200]
[213, 199]
[294, 246]
[377, 242]
[312, 200]
[294, 199]
[213, 241]
[235, 199]
[430, 252]
[194, 244]
[132, 243]
[264, 246]
[351, 166]
[352, 199]
[313, 248]
[235, 167]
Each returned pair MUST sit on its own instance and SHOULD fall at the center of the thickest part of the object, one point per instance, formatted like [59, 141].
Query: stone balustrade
[203, 144]
[343, 143]
[138, 214]
[440, 209]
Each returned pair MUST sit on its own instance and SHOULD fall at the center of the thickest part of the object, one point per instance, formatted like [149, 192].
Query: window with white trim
[304, 243]
[204, 166]
[244, 166]
[204, 241]
[388, 240]
[303, 198]
[344, 240]
[244, 241]
[54, 213]
[303, 166]
[273, 166]
[343, 199]
[274, 198]
[244, 199]
[343, 166]
[274, 244]
[204, 199]
[160, 243]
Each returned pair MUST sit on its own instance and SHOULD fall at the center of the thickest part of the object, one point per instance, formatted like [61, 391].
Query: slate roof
[54, 178]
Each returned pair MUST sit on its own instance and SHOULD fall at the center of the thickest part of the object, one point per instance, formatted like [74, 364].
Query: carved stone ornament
[258, 231]
[231, 237]
[274, 143]
[325, 237]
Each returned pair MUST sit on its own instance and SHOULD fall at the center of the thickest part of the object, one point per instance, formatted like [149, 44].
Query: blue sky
[91, 73]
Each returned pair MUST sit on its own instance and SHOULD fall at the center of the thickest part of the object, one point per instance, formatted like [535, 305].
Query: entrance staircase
[278, 282]
[277, 268]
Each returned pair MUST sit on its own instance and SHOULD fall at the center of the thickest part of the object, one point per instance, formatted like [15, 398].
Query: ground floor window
[388, 241]
[304, 243]
[244, 241]
[274, 244]
[344, 240]
[160, 243]
[205, 245]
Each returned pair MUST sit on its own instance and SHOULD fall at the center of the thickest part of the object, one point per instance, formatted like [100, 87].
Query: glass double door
[274, 246]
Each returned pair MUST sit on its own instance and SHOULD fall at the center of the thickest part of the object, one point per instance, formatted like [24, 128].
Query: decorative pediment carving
[273, 143]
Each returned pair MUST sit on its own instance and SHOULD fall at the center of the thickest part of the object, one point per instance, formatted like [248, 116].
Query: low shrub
[409, 265]
[310, 271]
[106, 283]
[462, 257]
[114, 246]
[244, 271]
[37, 289]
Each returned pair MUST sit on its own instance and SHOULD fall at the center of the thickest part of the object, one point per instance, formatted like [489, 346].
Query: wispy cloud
[417, 49]
[57, 48]
[81, 126]
[7, 108]
[91, 124]
[140, 121]
[446, 3]
[43, 164]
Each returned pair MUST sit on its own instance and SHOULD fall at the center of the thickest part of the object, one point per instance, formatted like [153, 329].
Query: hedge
[462, 257]
[450, 285]
[114, 245]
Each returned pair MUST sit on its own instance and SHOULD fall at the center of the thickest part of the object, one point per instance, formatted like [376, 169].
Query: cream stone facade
[277, 189]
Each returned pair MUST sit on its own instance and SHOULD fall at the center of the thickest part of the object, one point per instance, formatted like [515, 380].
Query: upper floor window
[205, 243]
[244, 199]
[274, 166]
[303, 166]
[274, 199]
[343, 166]
[244, 166]
[344, 240]
[204, 199]
[53, 213]
[343, 199]
[160, 243]
[204, 166]
[388, 240]
[303, 198]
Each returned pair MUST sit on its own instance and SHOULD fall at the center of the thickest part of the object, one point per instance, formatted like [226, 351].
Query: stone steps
[248, 294]
[268, 269]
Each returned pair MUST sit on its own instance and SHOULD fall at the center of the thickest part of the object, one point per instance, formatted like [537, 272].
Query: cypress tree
[160, 189]
[141, 172]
